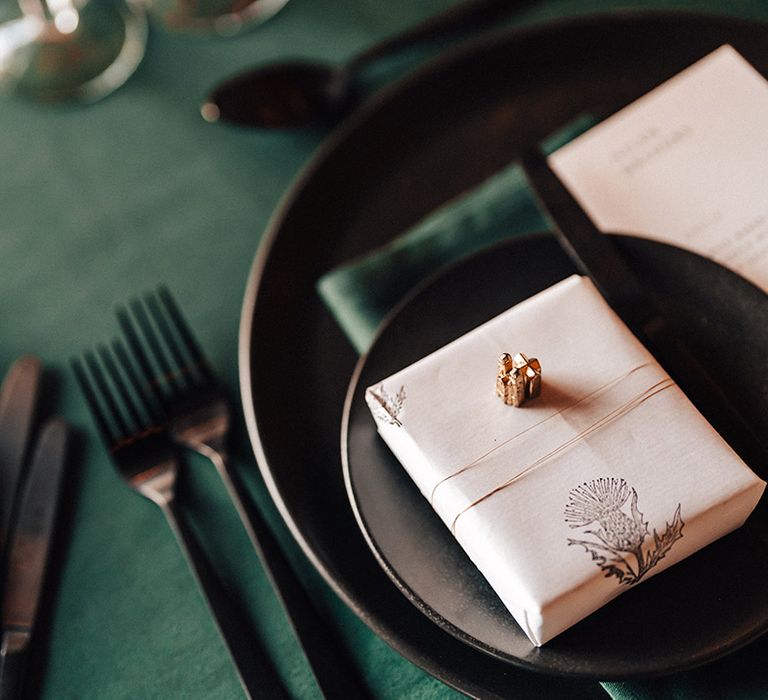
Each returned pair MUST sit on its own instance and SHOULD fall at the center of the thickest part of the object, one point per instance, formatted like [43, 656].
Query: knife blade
[595, 255]
[18, 400]
[28, 549]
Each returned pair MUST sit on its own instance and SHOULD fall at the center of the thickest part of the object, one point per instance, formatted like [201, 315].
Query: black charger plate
[432, 136]
[661, 625]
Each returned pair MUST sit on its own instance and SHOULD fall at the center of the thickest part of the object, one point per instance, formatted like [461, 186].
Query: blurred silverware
[198, 414]
[298, 93]
[140, 447]
[18, 400]
[27, 556]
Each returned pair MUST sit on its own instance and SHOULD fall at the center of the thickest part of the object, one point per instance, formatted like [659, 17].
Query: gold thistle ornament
[518, 379]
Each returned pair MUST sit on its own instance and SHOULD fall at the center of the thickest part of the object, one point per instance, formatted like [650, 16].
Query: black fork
[136, 433]
[195, 406]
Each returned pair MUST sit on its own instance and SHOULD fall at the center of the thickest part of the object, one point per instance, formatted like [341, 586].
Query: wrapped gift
[602, 475]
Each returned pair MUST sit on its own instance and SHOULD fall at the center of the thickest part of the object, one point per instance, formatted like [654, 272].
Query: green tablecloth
[98, 203]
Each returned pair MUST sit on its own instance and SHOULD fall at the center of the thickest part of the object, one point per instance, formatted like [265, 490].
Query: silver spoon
[298, 93]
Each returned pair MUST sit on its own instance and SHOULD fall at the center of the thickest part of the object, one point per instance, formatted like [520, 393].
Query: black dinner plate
[442, 130]
[710, 306]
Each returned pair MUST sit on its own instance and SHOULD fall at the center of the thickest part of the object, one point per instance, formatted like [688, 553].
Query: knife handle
[13, 662]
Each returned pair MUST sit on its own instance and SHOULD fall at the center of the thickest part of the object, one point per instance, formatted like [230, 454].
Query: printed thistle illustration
[619, 548]
[384, 406]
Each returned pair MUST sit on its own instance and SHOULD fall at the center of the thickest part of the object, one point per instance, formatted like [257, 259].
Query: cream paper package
[605, 480]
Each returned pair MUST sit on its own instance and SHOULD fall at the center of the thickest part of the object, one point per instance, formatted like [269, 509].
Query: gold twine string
[476, 462]
[622, 410]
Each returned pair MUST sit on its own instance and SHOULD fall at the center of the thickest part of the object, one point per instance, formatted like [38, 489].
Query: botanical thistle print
[386, 407]
[619, 546]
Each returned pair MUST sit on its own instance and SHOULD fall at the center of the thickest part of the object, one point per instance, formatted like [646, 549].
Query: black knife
[28, 548]
[595, 255]
[18, 399]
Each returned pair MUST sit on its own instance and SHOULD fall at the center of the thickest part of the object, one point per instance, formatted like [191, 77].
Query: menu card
[685, 164]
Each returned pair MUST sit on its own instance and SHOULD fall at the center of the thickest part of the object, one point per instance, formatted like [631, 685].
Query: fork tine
[185, 333]
[148, 394]
[107, 434]
[155, 348]
[183, 366]
[107, 396]
[119, 384]
[132, 338]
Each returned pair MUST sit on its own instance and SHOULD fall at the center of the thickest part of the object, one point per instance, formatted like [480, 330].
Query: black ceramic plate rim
[305, 176]
[316, 162]
[392, 572]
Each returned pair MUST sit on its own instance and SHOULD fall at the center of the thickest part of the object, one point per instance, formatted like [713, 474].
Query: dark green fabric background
[98, 203]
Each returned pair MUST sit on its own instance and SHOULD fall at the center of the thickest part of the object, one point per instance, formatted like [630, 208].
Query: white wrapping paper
[608, 478]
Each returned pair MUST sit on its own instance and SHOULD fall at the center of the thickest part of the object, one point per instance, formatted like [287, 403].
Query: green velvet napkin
[361, 292]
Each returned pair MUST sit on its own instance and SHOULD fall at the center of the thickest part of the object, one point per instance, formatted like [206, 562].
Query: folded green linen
[361, 292]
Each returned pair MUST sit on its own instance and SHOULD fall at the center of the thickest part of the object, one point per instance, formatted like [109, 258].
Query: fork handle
[332, 669]
[257, 676]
